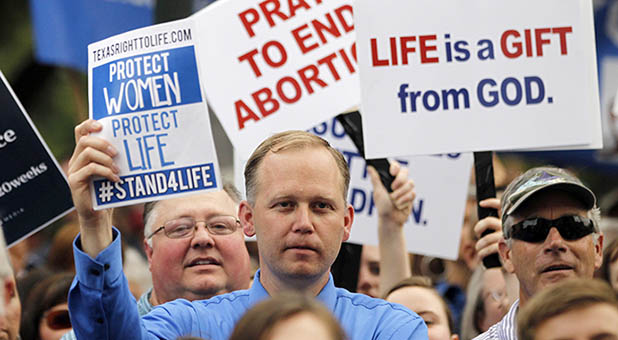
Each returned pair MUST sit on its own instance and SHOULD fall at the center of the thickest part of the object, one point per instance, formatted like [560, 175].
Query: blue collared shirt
[101, 307]
[143, 307]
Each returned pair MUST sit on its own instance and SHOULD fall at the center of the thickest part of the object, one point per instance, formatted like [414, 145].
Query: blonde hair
[259, 322]
[290, 140]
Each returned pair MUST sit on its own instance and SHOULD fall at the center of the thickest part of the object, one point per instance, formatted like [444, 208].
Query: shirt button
[95, 272]
[106, 266]
[99, 320]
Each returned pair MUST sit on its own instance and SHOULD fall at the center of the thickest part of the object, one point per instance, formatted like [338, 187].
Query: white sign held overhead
[452, 76]
[441, 185]
[277, 65]
[144, 89]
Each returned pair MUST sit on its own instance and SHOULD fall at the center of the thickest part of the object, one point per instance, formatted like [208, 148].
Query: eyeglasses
[186, 226]
[58, 319]
[535, 230]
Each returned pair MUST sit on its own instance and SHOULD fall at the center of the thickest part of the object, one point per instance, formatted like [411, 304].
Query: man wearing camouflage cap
[550, 232]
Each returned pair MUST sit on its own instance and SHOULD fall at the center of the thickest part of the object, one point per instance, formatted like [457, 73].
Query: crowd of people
[207, 282]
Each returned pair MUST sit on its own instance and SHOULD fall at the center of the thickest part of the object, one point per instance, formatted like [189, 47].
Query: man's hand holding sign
[93, 156]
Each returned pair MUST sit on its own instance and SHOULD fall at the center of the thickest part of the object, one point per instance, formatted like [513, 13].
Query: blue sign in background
[64, 28]
[180, 60]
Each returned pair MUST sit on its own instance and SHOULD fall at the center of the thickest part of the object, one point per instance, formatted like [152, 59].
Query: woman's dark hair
[48, 293]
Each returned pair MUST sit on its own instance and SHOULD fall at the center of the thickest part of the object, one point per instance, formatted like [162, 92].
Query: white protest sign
[441, 186]
[452, 76]
[144, 87]
[276, 65]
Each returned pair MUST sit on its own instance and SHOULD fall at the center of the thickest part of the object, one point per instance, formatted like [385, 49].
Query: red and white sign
[453, 76]
[276, 65]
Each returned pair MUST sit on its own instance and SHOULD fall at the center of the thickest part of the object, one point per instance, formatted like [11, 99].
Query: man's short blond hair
[291, 140]
[572, 294]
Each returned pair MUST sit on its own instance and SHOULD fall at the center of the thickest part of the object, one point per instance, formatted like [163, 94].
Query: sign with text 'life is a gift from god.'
[452, 76]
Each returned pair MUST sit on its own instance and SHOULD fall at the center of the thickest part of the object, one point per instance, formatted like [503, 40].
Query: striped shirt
[506, 329]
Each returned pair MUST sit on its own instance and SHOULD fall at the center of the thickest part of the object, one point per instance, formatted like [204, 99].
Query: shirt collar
[328, 294]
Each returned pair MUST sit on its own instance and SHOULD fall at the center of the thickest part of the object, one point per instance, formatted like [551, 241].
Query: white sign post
[144, 87]
[452, 76]
[441, 186]
[277, 65]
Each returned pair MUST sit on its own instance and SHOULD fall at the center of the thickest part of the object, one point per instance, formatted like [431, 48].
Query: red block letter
[249, 57]
[425, 48]
[240, 105]
[268, 99]
[562, 31]
[374, 54]
[517, 45]
[255, 17]
[538, 36]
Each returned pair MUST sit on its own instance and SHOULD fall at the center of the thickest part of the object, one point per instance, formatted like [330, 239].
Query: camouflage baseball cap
[537, 179]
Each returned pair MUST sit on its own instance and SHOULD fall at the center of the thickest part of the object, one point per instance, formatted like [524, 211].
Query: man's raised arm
[393, 211]
[100, 303]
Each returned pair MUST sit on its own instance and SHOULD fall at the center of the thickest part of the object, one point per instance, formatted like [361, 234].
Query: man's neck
[274, 285]
[156, 300]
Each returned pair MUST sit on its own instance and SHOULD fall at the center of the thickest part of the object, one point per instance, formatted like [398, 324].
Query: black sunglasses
[58, 319]
[535, 230]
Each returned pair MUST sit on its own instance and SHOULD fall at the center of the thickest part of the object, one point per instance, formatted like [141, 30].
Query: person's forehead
[604, 318]
[420, 298]
[370, 253]
[200, 206]
[271, 158]
[311, 164]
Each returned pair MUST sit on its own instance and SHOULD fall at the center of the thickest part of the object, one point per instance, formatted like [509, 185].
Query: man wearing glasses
[296, 207]
[194, 244]
[550, 227]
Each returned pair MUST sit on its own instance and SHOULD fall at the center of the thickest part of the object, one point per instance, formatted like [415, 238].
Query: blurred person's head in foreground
[417, 294]
[289, 315]
[46, 313]
[582, 309]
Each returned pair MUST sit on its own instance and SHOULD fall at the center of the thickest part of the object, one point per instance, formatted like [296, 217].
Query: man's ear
[505, 255]
[10, 290]
[598, 252]
[245, 214]
[347, 222]
[148, 250]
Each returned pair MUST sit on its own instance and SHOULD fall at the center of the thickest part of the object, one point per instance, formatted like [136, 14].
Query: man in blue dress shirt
[296, 206]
